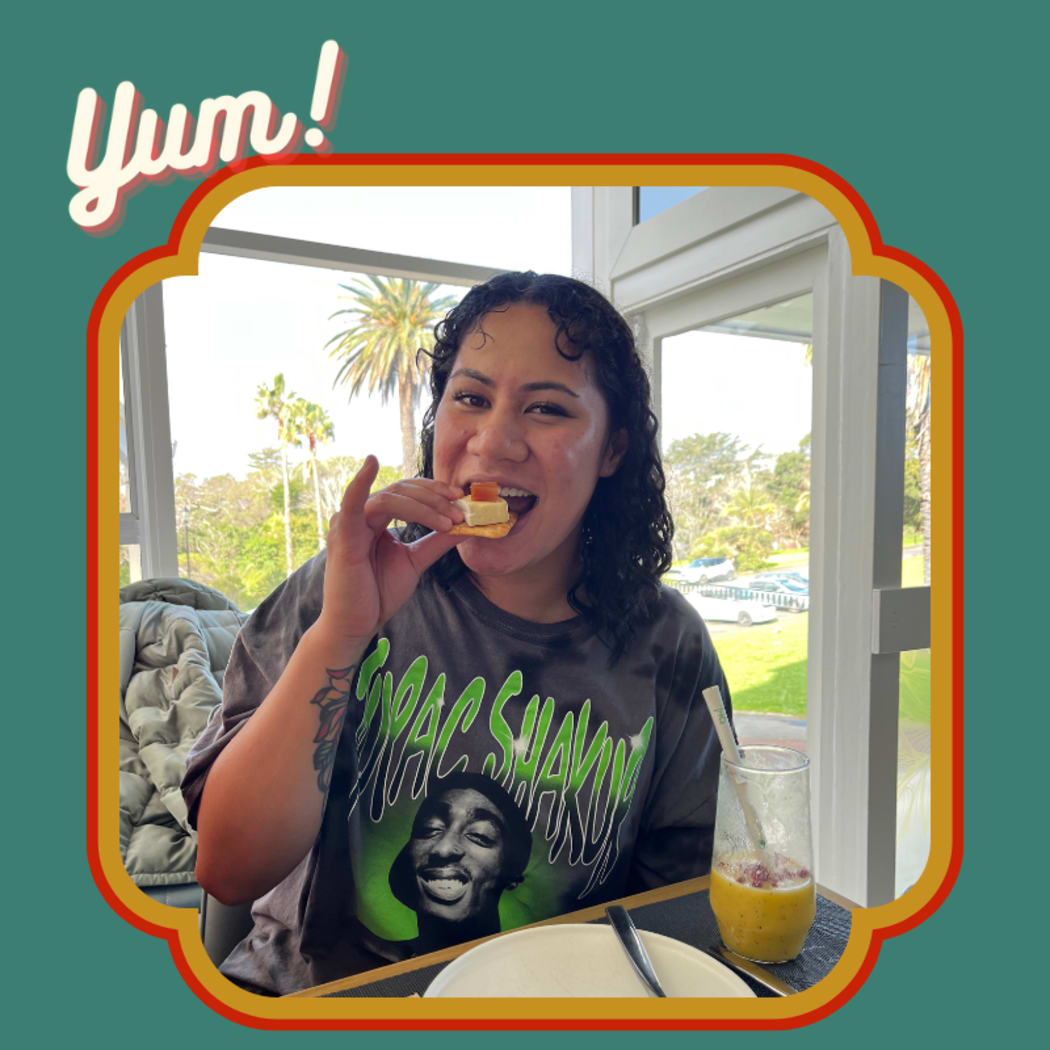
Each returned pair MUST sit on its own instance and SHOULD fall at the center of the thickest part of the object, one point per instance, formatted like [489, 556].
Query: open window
[773, 264]
[274, 267]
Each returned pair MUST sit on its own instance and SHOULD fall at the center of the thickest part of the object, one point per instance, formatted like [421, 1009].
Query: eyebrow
[443, 811]
[480, 377]
[486, 815]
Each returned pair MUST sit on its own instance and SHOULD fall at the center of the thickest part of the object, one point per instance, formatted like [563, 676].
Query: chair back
[223, 926]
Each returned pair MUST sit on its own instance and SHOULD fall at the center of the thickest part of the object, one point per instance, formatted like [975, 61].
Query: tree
[236, 531]
[751, 506]
[917, 415]
[746, 545]
[788, 487]
[312, 422]
[701, 472]
[266, 460]
[273, 402]
[391, 321]
[336, 473]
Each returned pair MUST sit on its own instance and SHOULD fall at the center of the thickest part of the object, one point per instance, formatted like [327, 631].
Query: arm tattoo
[332, 701]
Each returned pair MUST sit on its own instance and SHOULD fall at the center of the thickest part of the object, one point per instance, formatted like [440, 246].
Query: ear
[615, 450]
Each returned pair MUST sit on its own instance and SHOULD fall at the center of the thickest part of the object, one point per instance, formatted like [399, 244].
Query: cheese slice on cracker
[486, 519]
[496, 531]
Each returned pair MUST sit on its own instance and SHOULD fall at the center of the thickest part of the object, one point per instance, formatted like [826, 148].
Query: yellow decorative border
[870, 925]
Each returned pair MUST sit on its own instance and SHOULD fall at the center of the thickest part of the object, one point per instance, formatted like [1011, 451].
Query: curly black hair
[627, 529]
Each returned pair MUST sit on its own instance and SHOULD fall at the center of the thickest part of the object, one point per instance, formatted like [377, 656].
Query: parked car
[744, 612]
[796, 578]
[707, 570]
[798, 595]
[778, 585]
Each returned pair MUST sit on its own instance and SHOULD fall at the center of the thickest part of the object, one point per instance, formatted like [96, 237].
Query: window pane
[130, 564]
[913, 734]
[913, 768]
[917, 450]
[506, 227]
[232, 331]
[125, 474]
[736, 418]
[654, 199]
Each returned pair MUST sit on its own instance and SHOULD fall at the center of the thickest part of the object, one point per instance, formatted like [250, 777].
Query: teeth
[446, 889]
[504, 490]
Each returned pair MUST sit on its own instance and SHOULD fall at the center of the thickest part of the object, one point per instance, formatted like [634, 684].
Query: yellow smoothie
[762, 915]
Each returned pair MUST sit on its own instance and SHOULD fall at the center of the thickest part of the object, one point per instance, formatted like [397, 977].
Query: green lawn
[915, 687]
[788, 560]
[766, 664]
[911, 570]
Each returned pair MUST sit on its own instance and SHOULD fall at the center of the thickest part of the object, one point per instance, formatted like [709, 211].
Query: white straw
[713, 698]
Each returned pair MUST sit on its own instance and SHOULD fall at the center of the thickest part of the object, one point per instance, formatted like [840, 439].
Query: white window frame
[150, 524]
[729, 250]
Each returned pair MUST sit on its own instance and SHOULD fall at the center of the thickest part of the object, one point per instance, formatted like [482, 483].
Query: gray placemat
[690, 919]
[687, 919]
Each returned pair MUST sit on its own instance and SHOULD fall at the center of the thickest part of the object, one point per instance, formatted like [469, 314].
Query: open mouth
[519, 501]
[444, 885]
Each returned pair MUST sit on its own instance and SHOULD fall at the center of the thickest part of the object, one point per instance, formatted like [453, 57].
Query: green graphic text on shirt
[573, 783]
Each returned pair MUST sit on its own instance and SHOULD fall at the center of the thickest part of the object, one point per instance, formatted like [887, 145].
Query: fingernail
[445, 523]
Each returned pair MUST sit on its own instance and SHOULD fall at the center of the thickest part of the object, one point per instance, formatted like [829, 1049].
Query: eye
[484, 835]
[431, 829]
[469, 400]
[547, 408]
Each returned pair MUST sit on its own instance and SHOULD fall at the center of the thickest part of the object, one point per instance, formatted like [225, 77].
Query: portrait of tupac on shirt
[469, 843]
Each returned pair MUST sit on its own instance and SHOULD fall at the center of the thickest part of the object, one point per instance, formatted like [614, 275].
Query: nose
[499, 436]
[447, 847]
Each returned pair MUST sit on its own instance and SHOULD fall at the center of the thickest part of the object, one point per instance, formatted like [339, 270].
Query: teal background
[932, 113]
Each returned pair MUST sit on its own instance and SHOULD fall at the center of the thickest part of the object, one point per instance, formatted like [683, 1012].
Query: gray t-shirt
[490, 772]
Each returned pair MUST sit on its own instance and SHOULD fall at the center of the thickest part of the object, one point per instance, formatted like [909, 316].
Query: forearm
[262, 804]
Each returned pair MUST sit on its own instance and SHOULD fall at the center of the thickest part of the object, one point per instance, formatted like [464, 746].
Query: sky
[240, 322]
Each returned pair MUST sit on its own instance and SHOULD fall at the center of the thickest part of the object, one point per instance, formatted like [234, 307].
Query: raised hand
[369, 573]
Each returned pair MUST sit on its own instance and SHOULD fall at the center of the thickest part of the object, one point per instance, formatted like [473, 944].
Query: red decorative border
[878, 249]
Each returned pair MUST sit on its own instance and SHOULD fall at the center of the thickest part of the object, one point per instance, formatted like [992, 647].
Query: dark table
[681, 911]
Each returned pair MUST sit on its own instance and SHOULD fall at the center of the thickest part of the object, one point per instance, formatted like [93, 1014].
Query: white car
[708, 570]
[790, 594]
[732, 610]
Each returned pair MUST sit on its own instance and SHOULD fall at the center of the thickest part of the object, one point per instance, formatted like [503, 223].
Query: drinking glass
[762, 865]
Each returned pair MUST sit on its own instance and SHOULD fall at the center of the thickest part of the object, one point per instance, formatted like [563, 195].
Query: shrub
[749, 547]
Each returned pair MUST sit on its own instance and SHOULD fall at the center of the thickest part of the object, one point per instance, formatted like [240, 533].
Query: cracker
[485, 532]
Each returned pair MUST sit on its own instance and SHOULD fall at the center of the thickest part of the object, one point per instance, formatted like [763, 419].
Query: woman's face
[516, 411]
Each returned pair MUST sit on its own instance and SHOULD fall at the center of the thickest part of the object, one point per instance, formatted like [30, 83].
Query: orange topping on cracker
[484, 491]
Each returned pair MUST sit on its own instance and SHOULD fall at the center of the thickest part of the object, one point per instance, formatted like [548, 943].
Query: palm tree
[391, 320]
[312, 422]
[802, 503]
[751, 506]
[274, 402]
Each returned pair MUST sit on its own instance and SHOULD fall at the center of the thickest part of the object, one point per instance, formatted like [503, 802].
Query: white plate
[580, 960]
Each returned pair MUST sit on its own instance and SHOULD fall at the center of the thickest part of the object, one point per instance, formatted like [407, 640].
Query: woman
[550, 661]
